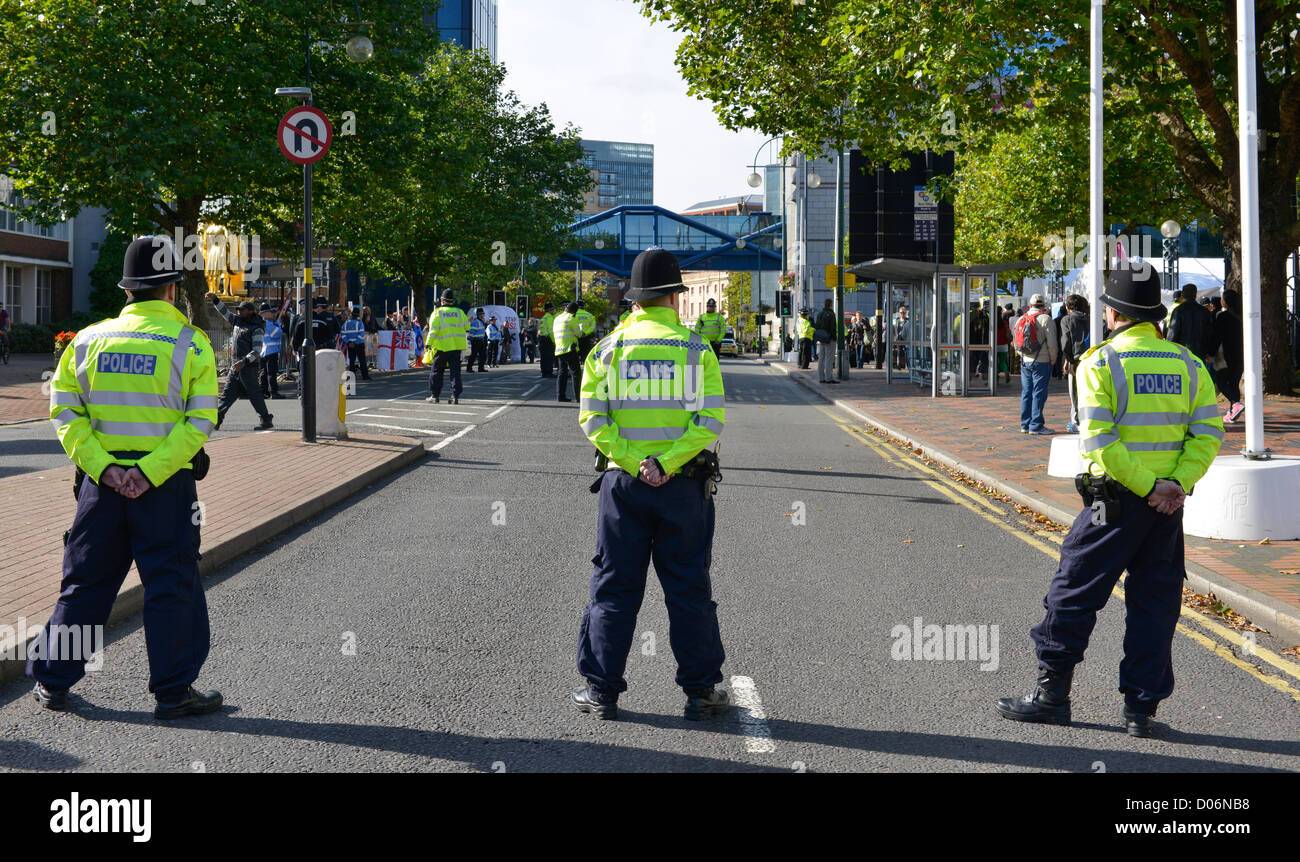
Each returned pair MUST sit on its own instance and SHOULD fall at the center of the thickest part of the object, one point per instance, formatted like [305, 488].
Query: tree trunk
[193, 285]
[1279, 369]
[421, 309]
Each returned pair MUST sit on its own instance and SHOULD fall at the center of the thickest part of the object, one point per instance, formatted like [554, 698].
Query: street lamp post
[1170, 231]
[755, 180]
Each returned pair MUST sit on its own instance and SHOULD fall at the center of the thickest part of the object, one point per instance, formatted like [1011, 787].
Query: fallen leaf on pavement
[1292, 651]
[907, 541]
[1266, 541]
[1209, 604]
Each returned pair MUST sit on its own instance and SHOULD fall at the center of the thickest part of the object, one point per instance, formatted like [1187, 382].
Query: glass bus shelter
[940, 323]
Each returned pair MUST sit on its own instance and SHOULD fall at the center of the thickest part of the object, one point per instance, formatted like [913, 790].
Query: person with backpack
[1035, 340]
[1076, 338]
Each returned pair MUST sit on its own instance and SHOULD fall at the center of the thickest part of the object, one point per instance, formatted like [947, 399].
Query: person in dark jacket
[324, 332]
[246, 341]
[1075, 340]
[878, 338]
[1227, 328]
[1191, 325]
[827, 329]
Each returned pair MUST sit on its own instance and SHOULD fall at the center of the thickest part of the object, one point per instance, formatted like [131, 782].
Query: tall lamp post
[755, 180]
[1170, 231]
[359, 49]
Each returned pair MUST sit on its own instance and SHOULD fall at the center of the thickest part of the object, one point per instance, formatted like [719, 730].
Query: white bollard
[1245, 501]
[1066, 461]
[330, 367]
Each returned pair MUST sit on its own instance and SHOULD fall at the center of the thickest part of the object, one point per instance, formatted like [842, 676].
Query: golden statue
[224, 262]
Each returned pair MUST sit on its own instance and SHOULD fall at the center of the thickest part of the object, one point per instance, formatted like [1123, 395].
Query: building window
[44, 295]
[13, 283]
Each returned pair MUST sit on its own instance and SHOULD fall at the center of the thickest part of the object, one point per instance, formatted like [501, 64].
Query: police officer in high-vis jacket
[246, 344]
[268, 375]
[586, 331]
[567, 331]
[546, 340]
[652, 404]
[133, 401]
[448, 328]
[1149, 428]
[711, 326]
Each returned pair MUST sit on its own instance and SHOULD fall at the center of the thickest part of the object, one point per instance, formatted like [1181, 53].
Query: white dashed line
[498, 410]
[412, 430]
[460, 433]
[753, 720]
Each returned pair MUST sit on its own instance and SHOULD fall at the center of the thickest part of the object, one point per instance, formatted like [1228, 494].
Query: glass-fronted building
[468, 23]
[622, 173]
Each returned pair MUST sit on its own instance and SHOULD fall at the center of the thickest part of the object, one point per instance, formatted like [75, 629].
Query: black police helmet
[655, 273]
[448, 297]
[550, 306]
[572, 308]
[150, 262]
[320, 302]
[266, 306]
[1134, 291]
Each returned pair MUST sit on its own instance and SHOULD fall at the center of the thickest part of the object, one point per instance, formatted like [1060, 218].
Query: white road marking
[412, 430]
[531, 391]
[409, 418]
[753, 720]
[498, 410]
[460, 433]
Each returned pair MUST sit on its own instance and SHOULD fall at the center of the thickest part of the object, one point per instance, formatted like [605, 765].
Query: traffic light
[498, 297]
[521, 305]
[786, 303]
[760, 320]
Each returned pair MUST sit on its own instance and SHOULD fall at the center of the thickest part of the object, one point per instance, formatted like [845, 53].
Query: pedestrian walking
[711, 326]
[1076, 338]
[857, 340]
[1036, 344]
[1227, 330]
[477, 342]
[546, 340]
[268, 375]
[246, 343]
[567, 332]
[133, 401]
[656, 495]
[1149, 430]
[825, 333]
[448, 328]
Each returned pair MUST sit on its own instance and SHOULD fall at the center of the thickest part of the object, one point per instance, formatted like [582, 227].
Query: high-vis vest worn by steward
[143, 382]
[566, 331]
[447, 329]
[1147, 410]
[586, 321]
[272, 338]
[711, 326]
[545, 326]
[354, 331]
[652, 388]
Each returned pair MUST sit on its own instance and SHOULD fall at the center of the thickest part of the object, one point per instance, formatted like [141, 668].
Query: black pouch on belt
[200, 465]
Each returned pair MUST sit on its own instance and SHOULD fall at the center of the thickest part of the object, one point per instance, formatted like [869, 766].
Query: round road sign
[305, 134]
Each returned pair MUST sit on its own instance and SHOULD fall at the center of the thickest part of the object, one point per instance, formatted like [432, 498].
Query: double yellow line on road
[1049, 542]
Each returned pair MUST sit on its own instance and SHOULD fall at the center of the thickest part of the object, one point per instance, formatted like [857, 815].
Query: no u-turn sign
[304, 134]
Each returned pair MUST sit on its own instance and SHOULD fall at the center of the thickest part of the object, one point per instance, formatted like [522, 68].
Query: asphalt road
[461, 582]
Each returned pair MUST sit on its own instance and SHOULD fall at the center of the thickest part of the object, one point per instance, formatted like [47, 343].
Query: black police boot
[266, 422]
[1139, 724]
[51, 698]
[1049, 703]
[604, 707]
[192, 702]
[704, 703]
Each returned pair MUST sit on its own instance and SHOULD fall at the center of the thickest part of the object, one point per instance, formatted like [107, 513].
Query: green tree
[106, 298]
[736, 299]
[164, 112]
[472, 180]
[894, 76]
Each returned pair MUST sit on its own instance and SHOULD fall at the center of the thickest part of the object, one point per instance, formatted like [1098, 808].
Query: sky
[605, 68]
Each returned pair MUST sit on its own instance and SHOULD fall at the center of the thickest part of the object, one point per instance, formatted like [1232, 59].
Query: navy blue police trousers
[673, 526]
[1150, 546]
[160, 532]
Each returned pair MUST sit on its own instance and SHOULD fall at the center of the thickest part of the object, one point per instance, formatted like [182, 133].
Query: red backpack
[1028, 337]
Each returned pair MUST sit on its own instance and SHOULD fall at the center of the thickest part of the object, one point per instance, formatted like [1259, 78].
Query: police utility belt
[704, 468]
[1101, 493]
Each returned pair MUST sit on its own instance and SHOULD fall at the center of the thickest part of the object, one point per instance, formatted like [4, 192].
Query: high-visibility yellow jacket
[448, 329]
[711, 326]
[805, 329]
[566, 331]
[143, 382]
[545, 327]
[1147, 410]
[586, 321]
[652, 388]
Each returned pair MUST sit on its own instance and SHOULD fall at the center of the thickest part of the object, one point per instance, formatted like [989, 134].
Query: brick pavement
[22, 393]
[37, 507]
[983, 433]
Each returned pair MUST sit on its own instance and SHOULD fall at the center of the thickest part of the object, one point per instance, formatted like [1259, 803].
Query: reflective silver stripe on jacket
[64, 398]
[201, 402]
[177, 387]
[1205, 428]
[1098, 441]
[1096, 414]
[106, 398]
[1154, 418]
[594, 424]
[132, 429]
[1118, 379]
[646, 434]
[708, 423]
[203, 425]
[1159, 446]
[595, 405]
[63, 418]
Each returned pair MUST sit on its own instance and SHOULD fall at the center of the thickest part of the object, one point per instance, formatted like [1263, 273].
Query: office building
[471, 24]
[622, 174]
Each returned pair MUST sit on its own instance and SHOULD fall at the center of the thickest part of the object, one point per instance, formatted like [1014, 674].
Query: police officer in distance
[586, 331]
[567, 331]
[448, 328]
[133, 401]
[324, 331]
[546, 340]
[711, 326]
[1149, 428]
[354, 340]
[652, 404]
[246, 343]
